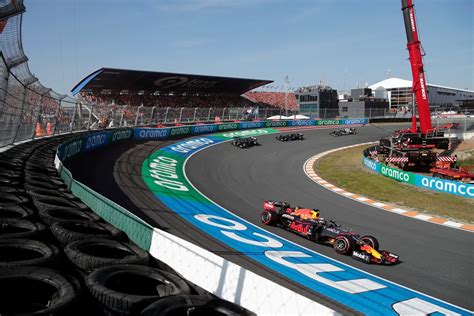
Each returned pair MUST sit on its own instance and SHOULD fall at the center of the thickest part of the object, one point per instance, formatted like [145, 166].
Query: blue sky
[340, 42]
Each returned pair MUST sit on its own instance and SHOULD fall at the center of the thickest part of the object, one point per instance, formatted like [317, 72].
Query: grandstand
[121, 97]
[273, 99]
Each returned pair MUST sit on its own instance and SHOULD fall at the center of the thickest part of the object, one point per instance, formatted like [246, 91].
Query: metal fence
[29, 110]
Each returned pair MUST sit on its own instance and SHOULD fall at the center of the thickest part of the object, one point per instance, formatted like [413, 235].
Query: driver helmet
[315, 213]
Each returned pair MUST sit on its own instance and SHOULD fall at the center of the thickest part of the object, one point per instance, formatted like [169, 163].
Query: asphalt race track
[436, 260]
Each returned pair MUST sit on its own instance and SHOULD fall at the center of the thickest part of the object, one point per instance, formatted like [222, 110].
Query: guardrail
[435, 184]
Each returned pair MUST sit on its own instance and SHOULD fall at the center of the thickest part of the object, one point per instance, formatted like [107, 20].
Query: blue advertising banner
[180, 131]
[445, 186]
[302, 123]
[96, 140]
[372, 165]
[203, 129]
[246, 125]
[121, 134]
[355, 121]
[435, 184]
[151, 133]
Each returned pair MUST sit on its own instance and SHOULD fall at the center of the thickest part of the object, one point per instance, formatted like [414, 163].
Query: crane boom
[417, 70]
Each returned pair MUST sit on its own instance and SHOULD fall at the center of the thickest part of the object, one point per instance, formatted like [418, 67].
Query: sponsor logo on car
[300, 228]
[360, 255]
[333, 230]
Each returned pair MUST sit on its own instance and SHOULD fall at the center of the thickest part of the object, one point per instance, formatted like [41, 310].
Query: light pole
[286, 95]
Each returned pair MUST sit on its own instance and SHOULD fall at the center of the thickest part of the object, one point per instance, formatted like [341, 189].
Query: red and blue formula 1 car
[362, 248]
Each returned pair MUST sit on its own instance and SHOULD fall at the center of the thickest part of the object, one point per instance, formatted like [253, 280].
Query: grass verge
[344, 169]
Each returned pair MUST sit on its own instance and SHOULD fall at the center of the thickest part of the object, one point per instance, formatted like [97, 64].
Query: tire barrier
[91, 254]
[12, 199]
[45, 203]
[195, 305]
[69, 231]
[12, 190]
[13, 228]
[26, 252]
[125, 290]
[37, 291]
[16, 212]
[37, 193]
[53, 215]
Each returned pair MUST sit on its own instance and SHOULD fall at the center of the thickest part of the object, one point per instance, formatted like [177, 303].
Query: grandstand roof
[134, 81]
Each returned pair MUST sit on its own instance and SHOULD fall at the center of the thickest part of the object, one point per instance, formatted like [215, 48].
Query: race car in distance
[245, 142]
[343, 132]
[362, 248]
[288, 137]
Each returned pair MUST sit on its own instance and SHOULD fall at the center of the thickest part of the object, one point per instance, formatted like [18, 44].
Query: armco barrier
[436, 184]
[222, 277]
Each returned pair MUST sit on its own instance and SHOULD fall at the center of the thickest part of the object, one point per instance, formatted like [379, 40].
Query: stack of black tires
[57, 257]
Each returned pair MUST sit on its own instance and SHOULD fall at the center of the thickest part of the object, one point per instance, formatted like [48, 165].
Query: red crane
[417, 70]
[414, 147]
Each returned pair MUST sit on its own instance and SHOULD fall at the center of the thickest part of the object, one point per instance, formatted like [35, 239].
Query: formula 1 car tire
[37, 291]
[344, 244]
[13, 228]
[91, 254]
[269, 218]
[372, 241]
[27, 252]
[69, 231]
[199, 305]
[127, 289]
[53, 215]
